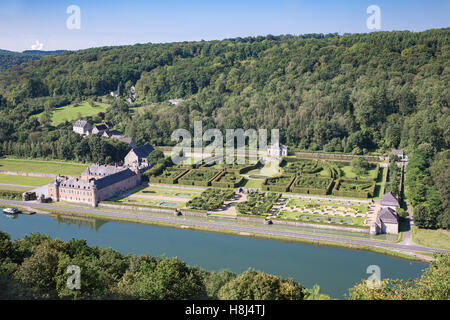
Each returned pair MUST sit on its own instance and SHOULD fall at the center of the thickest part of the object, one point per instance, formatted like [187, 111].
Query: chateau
[101, 182]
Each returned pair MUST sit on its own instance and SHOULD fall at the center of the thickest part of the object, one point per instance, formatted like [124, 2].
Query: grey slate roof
[387, 215]
[102, 170]
[143, 151]
[113, 178]
[398, 152]
[76, 183]
[389, 199]
[101, 127]
[80, 123]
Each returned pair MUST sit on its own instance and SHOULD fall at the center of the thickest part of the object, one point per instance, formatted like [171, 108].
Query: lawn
[432, 238]
[348, 173]
[329, 205]
[75, 112]
[37, 166]
[170, 192]
[14, 188]
[319, 218]
[23, 180]
[253, 184]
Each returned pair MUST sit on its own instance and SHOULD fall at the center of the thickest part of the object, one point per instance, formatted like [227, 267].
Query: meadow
[40, 166]
[75, 112]
[24, 180]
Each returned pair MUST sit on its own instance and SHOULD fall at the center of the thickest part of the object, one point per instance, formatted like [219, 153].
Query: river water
[334, 269]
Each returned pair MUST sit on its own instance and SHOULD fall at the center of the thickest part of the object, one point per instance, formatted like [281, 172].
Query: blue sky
[113, 22]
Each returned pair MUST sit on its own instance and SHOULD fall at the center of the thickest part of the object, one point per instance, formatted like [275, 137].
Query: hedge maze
[199, 177]
[321, 177]
[169, 176]
[354, 188]
[312, 185]
[303, 176]
[227, 179]
[278, 184]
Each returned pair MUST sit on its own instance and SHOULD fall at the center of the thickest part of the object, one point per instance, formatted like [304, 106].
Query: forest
[35, 267]
[352, 93]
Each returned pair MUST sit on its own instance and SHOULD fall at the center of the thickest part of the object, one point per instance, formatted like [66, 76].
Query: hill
[11, 58]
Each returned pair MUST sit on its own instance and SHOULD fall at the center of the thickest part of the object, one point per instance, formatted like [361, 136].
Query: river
[334, 269]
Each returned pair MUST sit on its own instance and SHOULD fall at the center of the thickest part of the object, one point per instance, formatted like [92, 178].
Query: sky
[42, 24]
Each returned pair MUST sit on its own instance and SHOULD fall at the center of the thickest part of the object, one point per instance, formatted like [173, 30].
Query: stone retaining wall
[308, 225]
[156, 210]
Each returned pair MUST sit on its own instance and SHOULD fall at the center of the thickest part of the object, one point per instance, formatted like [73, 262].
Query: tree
[434, 284]
[155, 156]
[360, 166]
[169, 279]
[254, 285]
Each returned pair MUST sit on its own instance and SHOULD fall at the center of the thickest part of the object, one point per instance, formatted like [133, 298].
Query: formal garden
[311, 185]
[324, 211]
[227, 179]
[199, 177]
[211, 199]
[278, 184]
[258, 203]
[169, 176]
[354, 188]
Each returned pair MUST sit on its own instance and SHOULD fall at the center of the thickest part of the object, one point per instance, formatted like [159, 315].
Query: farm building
[82, 127]
[389, 200]
[387, 222]
[139, 155]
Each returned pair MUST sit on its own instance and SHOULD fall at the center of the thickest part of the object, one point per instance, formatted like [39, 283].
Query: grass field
[23, 180]
[71, 112]
[14, 188]
[432, 238]
[250, 183]
[37, 166]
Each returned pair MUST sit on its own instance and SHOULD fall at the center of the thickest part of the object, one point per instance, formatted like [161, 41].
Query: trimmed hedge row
[278, 188]
[11, 195]
[307, 190]
[226, 183]
[191, 182]
[357, 194]
[174, 180]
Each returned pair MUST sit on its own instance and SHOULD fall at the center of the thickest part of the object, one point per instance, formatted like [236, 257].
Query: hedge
[173, 180]
[278, 188]
[356, 194]
[226, 184]
[306, 190]
[190, 182]
[11, 195]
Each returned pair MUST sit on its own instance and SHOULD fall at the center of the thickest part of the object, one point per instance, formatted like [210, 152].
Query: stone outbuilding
[82, 127]
[138, 155]
[389, 200]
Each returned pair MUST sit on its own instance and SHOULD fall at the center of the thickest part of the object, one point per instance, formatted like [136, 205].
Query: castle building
[96, 183]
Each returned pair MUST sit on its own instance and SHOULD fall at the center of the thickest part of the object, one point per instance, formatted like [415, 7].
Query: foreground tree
[434, 284]
[255, 285]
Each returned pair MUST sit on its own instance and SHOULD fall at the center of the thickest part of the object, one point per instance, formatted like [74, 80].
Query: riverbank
[413, 253]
